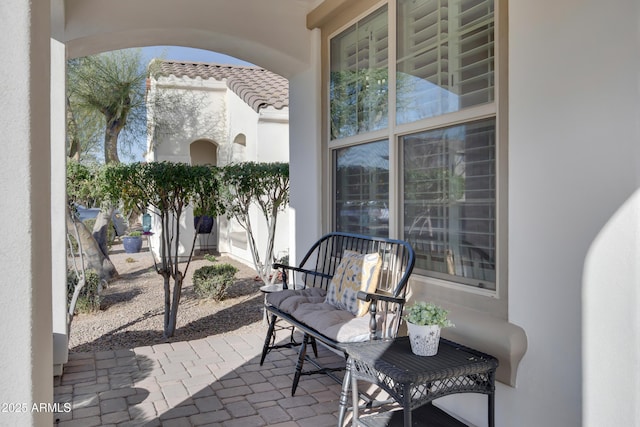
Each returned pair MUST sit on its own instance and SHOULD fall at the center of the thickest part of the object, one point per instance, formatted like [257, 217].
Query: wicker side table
[415, 381]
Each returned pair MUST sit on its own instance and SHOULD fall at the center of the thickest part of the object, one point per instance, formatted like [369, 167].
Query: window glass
[362, 189]
[359, 77]
[446, 169]
[445, 57]
[450, 202]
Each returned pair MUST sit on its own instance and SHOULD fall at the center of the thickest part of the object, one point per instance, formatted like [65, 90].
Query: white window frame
[494, 302]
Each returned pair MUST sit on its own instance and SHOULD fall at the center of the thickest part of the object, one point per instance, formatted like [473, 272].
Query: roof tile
[258, 87]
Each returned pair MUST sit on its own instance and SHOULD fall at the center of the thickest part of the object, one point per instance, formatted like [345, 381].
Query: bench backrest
[398, 259]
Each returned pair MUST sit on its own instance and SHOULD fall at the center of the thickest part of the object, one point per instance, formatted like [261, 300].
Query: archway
[239, 148]
[203, 152]
[273, 35]
[270, 34]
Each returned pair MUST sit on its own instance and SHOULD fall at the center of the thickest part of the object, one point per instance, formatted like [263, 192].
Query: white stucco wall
[215, 113]
[58, 206]
[243, 120]
[273, 128]
[305, 154]
[198, 112]
[25, 186]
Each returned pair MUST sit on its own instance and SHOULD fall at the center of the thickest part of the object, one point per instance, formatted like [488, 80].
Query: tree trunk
[93, 254]
[112, 130]
[167, 301]
[72, 132]
[170, 328]
[101, 229]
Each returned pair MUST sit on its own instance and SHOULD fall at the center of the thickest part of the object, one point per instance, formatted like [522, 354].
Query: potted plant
[132, 242]
[202, 223]
[424, 322]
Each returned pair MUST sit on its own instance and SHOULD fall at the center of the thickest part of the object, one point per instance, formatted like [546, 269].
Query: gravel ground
[132, 308]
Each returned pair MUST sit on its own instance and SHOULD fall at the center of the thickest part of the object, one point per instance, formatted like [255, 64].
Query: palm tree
[112, 85]
[105, 96]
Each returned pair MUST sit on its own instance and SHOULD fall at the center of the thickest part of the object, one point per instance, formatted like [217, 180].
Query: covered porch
[571, 197]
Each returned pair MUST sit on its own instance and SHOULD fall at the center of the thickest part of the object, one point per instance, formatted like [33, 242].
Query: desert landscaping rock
[132, 307]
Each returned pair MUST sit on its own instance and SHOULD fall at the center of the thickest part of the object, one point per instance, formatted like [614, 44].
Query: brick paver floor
[215, 381]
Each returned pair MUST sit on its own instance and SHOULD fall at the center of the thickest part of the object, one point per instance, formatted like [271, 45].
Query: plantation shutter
[359, 77]
[449, 202]
[445, 57]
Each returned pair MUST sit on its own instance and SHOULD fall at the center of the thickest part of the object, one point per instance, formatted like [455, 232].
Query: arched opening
[265, 38]
[239, 148]
[203, 152]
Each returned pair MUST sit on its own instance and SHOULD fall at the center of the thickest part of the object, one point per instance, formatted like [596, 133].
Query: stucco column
[58, 206]
[25, 250]
[305, 154]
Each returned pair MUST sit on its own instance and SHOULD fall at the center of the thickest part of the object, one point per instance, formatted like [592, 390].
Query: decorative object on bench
[343, 277]
[355, 273]
[424, 322]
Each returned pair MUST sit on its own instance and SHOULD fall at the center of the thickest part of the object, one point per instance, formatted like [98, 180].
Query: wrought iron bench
[327, 297]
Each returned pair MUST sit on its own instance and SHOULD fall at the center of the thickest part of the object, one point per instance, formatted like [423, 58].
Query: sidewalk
[215, 381]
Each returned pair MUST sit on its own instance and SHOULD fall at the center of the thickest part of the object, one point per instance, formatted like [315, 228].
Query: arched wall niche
[203, 152]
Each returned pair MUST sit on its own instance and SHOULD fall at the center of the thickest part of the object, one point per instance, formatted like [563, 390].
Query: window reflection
[362, 189]
[359, 77]
[445, 57]
[449, 202]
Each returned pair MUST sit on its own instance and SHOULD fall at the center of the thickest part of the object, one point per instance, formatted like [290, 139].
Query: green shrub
[211, 281]
[89, 298]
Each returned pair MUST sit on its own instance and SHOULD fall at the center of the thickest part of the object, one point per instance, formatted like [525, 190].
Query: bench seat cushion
[308, 307]
[288, 300]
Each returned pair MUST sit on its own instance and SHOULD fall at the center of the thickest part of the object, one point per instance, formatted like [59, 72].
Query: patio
[211, 381]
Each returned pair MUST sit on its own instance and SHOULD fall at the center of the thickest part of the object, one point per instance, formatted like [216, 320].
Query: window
[413, 134]
[359, 77]
[449, 202]
[362, 189]
[445, 57]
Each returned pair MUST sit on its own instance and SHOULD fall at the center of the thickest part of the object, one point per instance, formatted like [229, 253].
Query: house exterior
[217, 114]
[561, 104]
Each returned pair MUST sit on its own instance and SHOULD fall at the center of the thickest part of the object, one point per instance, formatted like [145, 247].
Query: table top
[395, 359]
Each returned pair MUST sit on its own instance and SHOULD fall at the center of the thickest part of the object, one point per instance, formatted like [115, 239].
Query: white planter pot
[424, 339]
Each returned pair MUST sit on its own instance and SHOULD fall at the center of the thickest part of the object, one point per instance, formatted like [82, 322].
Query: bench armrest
[285, 275]
[389, 323]
[375, 297]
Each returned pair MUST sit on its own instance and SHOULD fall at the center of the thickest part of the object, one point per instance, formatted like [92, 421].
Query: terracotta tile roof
[256, 86]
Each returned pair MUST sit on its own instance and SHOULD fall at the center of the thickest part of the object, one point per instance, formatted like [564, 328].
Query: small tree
[168, 189]
[267, 186]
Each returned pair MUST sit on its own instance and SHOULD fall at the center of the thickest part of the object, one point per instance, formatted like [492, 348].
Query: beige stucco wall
[573, 174]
